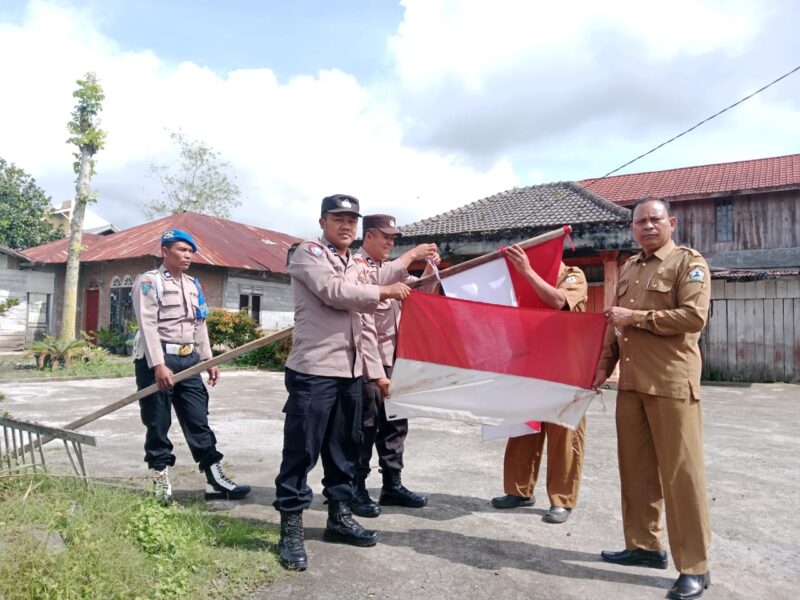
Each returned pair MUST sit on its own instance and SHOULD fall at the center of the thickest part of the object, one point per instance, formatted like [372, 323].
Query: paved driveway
[459, 546]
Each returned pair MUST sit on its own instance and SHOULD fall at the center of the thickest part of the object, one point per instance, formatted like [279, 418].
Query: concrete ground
[459, 546]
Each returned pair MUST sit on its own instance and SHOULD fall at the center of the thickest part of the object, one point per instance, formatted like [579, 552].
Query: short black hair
[646, 199]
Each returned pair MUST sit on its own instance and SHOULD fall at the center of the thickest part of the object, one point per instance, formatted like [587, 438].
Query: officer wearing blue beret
[171, 312]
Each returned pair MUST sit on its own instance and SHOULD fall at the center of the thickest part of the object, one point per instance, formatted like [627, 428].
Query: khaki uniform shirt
[168, 316]
[669, 292]
[380, 328]
[572, 283]
[330, 291]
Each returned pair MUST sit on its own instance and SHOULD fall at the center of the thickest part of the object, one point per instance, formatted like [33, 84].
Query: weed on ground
[63, 538]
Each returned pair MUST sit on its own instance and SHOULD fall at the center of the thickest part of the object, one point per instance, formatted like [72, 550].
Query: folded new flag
[493, 364]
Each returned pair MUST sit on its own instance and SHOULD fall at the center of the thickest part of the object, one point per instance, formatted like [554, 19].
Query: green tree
[198, 182]
[87, 136]
[23, 206]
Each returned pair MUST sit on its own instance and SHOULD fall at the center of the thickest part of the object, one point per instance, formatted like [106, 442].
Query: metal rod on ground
[485, 258]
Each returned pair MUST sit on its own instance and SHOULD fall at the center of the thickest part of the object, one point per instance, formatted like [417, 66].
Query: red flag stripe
[558, 346]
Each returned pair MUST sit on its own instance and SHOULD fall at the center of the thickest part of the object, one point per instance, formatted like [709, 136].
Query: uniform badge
[346, 204]
[362, 277]
[697, 274]
[146, 286]
[391, 222]
[315, 249]
[360, 260]
[571, 279]
[168, 235]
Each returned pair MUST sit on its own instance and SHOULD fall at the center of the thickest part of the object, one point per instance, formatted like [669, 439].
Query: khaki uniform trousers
[564, 463]
[660, 450]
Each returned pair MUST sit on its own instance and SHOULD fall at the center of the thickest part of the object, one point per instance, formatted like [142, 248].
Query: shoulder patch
[691, 251]
[697, 274]
[315, 249]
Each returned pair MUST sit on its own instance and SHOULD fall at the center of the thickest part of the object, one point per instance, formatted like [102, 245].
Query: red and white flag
[491, 364]
[504, 366]
[498, 282]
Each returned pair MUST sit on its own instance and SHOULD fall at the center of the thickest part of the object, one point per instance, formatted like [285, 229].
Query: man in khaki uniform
[380, 335]
[661, 307]
[523, 456]
[171, 311]
[324, 376]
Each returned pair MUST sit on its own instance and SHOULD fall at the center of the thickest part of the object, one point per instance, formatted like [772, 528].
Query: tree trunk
[75, 244]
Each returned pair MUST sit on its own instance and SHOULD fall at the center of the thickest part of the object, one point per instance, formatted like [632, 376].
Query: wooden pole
[191, 371]
[480, 260]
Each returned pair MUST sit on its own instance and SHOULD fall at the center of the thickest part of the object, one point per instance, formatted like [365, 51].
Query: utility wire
[784, 76]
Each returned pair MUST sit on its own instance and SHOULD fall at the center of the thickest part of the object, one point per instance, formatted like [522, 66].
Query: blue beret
[178, 235]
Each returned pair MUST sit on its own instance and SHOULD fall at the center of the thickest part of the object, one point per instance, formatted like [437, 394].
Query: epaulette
[692, 251]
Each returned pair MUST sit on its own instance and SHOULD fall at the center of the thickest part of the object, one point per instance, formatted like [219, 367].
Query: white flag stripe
[489, 282]
[422, 389]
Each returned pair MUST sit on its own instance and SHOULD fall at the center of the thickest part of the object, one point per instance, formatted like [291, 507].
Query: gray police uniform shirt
[330, 291]
[380, 328]
[166, 312]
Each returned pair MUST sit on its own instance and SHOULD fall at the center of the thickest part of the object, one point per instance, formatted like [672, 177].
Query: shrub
[272, 356]
[7, 305]
[54, 353]
[231, 329]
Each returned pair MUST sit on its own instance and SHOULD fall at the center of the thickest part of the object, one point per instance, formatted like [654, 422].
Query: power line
[661, 145]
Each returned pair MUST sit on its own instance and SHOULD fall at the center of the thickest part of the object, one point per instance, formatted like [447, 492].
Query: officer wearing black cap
[171, 311]
[388, 437]
[323, 377]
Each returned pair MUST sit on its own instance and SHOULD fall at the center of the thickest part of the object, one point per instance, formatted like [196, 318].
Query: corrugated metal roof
[56, 252]
[220, 242]
[753, 274]
[696, 182]
[536, 206]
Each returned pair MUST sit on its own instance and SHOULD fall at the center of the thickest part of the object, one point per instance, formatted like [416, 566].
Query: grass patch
[61, 538]
[24, 367]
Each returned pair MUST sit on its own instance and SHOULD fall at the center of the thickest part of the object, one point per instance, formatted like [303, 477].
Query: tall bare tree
[199, 182]
[86, 134]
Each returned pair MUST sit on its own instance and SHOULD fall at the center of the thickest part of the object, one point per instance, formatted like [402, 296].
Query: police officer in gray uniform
[323, 377]
[380, 334]
[170, 310]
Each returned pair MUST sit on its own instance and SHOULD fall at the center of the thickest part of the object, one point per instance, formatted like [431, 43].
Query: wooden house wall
[760, 221]
[753, 333]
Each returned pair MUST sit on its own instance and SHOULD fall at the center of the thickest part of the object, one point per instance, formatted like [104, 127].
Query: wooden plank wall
[760, 221]
[753, 333]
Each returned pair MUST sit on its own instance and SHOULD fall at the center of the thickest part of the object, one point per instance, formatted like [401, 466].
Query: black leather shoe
[689, 586]
[655, 559]
[557, 514]
[394, 493]
[344, 529]
[361, 504]
[510, 501]
[291, 550]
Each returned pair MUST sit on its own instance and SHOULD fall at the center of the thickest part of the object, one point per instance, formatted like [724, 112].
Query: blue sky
[416, 107]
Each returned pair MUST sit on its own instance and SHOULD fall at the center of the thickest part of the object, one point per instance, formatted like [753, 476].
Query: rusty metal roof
[220, 242]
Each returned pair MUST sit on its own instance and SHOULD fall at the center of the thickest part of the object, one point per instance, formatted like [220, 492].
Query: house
[239, 266]
[744, 217]
[600, 230]
[61, 218]
[33, 286]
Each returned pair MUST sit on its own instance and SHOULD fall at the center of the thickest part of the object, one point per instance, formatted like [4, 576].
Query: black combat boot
[291, 550]
[394, 493]
[361, 504]
[344, 529]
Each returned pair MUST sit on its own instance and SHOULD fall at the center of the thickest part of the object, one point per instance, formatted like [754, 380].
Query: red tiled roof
[220, 242]
[697, 182]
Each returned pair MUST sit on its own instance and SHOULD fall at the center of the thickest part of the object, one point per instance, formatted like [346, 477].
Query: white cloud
[481, 97]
